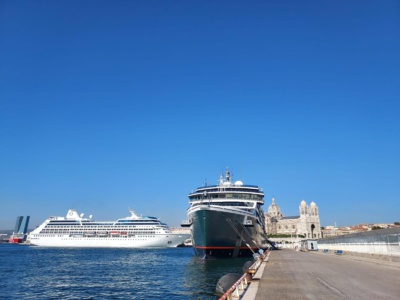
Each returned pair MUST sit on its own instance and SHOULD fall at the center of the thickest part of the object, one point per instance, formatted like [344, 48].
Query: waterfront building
[306, 224]
[330, 230]
[20, 231]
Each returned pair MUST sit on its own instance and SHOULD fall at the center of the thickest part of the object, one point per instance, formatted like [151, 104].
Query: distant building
[306, 224]
[333, 231]
[20, 231]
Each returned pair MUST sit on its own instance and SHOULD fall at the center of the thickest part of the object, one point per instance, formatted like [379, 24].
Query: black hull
[220, 234]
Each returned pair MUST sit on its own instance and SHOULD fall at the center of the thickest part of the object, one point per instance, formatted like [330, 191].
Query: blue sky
[106, 105]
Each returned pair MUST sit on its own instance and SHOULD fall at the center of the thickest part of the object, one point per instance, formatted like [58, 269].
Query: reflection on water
[202, 275]
[68, 273]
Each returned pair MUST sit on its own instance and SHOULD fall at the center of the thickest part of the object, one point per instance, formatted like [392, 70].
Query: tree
[376, 227]
[396, 223]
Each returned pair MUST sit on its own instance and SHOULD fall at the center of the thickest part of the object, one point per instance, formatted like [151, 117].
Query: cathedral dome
[303, 203]
[313, 204]
[273, 209]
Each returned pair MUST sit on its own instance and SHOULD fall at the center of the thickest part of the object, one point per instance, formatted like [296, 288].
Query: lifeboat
[90, 234]
[78, 235]
[114, 233]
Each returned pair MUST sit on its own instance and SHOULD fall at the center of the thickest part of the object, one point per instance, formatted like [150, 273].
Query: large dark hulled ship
[227, 220]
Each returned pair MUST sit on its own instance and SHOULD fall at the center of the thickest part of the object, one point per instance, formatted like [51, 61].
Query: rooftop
[291, 217]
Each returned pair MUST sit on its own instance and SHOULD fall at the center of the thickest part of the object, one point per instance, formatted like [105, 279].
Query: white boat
[74, 230]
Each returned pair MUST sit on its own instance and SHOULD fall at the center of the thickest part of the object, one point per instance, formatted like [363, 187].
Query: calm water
[66, 273]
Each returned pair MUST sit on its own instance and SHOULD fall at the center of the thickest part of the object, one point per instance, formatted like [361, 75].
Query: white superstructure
[74, 230]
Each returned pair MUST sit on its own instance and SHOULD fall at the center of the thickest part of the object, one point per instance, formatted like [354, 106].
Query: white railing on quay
[238, 288]
[379, 248]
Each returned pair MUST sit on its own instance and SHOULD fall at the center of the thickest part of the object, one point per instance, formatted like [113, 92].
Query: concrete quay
[289, 274]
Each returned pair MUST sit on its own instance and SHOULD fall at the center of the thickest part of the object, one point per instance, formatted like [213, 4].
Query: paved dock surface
[310, 275]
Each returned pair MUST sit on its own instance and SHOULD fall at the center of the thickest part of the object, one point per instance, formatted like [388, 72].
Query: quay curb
[251, 291]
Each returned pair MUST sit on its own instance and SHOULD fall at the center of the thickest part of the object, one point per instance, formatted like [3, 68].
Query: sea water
[29, 272]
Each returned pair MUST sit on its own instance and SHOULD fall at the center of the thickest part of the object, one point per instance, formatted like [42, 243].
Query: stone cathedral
[307, 223]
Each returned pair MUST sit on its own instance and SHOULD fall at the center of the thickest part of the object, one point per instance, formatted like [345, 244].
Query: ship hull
[167, 240]
[221, 233]
[15, 240]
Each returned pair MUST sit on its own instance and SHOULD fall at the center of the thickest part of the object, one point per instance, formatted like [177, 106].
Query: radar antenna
[133, 214]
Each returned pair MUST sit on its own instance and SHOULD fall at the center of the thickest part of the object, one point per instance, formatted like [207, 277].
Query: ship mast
[228, 176]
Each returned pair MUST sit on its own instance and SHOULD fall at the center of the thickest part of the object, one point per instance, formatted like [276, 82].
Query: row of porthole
[136, 239]
[113, 238]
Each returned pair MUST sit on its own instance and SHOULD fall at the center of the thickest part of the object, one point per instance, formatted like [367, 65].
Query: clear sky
[110, 105]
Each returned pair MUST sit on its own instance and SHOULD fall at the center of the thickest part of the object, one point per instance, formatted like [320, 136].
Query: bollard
[251, 271]
[247, 265]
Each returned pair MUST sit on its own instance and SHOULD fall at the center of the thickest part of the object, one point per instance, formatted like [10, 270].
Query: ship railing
[201, 188]
[238, 289]
[235, 209]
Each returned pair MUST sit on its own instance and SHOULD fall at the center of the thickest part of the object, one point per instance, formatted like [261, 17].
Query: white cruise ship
[74, 230]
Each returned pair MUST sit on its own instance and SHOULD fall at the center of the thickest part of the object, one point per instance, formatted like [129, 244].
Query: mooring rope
[245, 230]
[239, 234]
